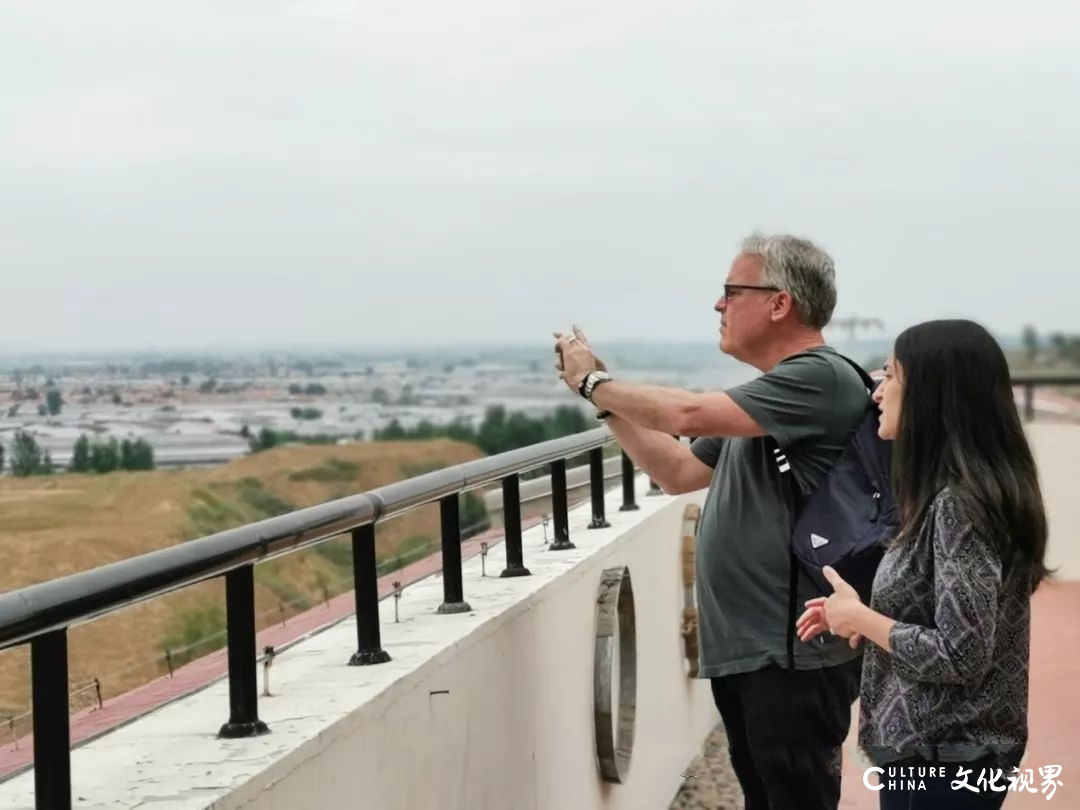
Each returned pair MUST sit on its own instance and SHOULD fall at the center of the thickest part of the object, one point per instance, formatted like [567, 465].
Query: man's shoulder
[824, 356]
[820, 366]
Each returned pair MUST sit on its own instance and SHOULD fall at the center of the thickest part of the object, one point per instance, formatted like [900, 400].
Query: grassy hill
[53, 526]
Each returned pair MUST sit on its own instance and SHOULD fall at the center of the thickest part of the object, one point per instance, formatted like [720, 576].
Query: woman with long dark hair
[947, 630]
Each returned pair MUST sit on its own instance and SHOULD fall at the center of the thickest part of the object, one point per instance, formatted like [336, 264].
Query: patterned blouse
[956, 683]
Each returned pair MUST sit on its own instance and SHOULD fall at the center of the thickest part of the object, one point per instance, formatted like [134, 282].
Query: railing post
[1029, 402]
[243, 687]
[366, 593]
[559, 506]
[511, 498]
[52, 730]
[453, 596]
[596, 485]
[628, 502]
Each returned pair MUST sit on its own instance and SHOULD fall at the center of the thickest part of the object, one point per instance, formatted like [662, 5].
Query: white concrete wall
[516, 729]
[513, 730]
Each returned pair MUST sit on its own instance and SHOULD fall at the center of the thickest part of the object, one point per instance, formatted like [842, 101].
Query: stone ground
[710, 782]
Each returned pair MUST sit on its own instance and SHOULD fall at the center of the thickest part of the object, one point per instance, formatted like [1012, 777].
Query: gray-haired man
[785, 725]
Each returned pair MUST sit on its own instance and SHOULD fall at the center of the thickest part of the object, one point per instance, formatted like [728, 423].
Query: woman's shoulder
[947, 504]
[947, 516]
[949, 522]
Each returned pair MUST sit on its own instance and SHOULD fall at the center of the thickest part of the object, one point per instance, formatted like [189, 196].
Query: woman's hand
[843, 609]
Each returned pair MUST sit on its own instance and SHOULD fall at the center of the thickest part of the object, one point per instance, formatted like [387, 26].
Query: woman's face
[888, 395]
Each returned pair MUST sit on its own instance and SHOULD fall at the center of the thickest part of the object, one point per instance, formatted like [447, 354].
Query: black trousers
[786, 730]
[916, 784]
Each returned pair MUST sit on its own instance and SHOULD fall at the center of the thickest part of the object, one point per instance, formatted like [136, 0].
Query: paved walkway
[1054, 719]
[90, 723]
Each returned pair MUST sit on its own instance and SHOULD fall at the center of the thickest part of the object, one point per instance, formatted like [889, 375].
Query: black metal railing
[1028, 382]
[40, 615]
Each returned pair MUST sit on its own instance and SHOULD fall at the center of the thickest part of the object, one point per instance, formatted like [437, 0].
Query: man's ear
[783, 304]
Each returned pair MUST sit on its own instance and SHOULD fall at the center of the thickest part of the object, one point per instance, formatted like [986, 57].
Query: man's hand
[577, 358]
[836, 614]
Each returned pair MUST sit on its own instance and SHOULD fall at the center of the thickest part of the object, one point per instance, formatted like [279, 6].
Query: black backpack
[847, 520]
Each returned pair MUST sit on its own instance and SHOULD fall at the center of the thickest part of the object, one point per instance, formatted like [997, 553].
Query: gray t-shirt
[810, 403]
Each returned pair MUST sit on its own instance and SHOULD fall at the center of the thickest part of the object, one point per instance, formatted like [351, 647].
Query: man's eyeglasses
[731, 289]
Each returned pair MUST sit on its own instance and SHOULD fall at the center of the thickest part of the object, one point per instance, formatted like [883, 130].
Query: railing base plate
[454, 607]
[363, 658]
[629, 507]
[516, 571]
[235, 731]
[599, 523]
[560, 545]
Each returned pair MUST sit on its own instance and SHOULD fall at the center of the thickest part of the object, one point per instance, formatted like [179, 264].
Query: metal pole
[628, 502]
[243, 670]
[559, 506]
[511, 497]
[366, 593]
[1029, 402]
[52, 731]
[596, 484]
[453, 595]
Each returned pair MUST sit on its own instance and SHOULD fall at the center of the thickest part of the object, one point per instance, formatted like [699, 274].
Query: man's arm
[672, 465]
[671, 411]
[675, 412]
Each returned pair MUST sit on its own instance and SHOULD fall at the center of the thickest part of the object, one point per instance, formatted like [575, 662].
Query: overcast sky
[252, 173]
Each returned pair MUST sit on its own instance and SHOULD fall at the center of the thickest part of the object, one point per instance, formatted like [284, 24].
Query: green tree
[54, 401]
[491, 437]
[141, 455]
[264, 441]
[424, 430]
[105, 456]
[521, 431]
[393, 431]
[473, 517]
[1, 459]
[26, 457]
[80, 455]
[566, 421]
[461, 431]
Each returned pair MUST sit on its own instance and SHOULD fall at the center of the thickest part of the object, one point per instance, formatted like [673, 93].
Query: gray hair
[801, 268]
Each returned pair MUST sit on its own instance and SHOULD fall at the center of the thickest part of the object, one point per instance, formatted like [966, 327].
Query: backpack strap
[796, 500]
[794, 496]
[868, 381]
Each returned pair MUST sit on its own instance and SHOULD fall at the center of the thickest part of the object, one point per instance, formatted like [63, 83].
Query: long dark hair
[959, 428]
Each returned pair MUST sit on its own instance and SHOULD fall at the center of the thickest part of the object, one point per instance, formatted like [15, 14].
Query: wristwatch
[592, 379]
